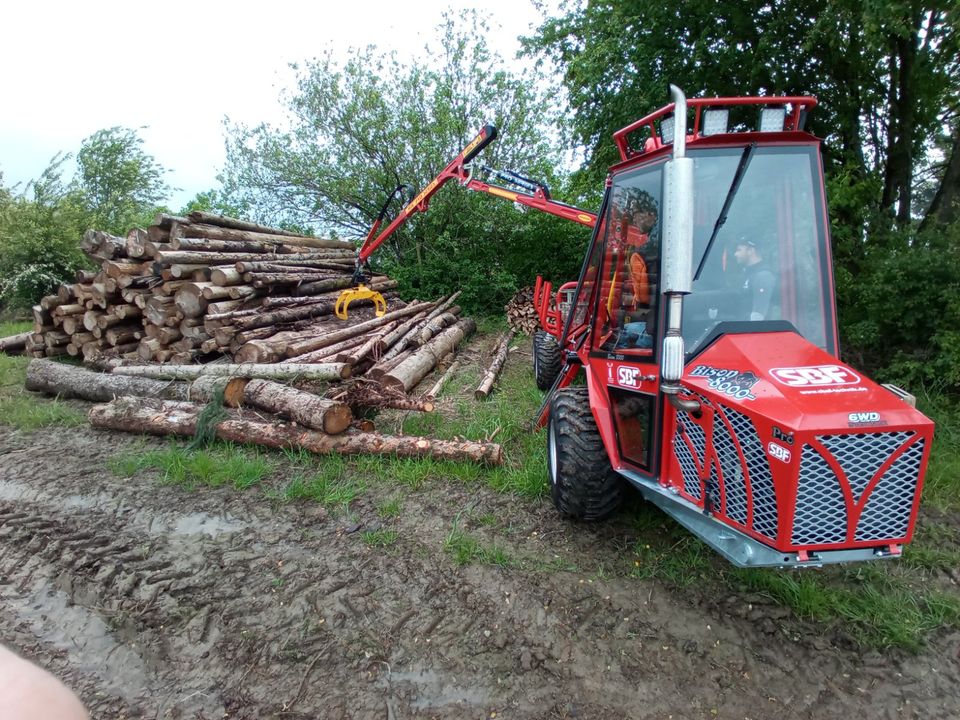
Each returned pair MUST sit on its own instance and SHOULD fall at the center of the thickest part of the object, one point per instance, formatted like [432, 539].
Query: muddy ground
[157, 601]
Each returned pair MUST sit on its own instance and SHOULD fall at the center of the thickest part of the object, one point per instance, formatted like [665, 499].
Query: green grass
[465, 550]
[390, 508]
[14, 327]
[218, 465]
[29, 411]
[942, 483]
[330, 484]
[380, 538]
[874, 605]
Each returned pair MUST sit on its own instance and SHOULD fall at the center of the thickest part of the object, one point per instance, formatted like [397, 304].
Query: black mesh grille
[691, 479]
[734, 482]
[821, 515]
[887, 513]
[761, 480]
[860, 455]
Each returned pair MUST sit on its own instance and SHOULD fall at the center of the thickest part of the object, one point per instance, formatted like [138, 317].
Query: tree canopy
[361, 127]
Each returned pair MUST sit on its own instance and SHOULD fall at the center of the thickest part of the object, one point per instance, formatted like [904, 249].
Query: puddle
[432, 690]
[88, 640]
[203, 523]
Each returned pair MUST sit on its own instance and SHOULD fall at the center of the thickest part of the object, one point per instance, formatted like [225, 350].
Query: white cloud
[72, 68]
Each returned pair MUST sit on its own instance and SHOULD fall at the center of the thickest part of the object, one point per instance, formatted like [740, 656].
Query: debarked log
[158, 417]
[269, 371]
[412, 370]
[70, 381]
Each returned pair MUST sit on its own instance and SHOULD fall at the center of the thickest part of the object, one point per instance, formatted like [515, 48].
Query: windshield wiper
[724, 211]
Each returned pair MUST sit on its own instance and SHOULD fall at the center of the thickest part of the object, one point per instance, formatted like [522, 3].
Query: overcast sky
[71, 68]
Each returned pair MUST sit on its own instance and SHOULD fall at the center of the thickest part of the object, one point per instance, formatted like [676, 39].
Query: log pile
[173, 304]
[521, 313]
[157, 289]
[192, 289]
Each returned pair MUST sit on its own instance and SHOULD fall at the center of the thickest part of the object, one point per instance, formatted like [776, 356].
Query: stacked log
[521, 313]
[188, 291]
[182, 290]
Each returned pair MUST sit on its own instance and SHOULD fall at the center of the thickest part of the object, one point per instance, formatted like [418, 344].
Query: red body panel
[792, 448]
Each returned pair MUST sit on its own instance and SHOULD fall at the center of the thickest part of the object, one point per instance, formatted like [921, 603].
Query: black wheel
[547, 359]
[582, 482]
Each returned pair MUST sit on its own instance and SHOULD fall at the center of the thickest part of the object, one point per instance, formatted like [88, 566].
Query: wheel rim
[552, 453]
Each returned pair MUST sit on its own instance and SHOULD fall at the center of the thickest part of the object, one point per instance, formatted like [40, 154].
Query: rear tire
[547, 359]
[582, 482]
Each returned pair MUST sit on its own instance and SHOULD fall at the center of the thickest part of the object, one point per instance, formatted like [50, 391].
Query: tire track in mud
[215, 603]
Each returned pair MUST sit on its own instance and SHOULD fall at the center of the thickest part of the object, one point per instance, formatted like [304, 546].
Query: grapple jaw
[360, 292]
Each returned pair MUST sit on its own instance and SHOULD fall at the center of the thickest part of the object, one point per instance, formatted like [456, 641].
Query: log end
[233, 391]
[337, 419]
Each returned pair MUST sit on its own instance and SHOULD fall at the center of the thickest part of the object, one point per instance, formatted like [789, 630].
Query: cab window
[629, 291]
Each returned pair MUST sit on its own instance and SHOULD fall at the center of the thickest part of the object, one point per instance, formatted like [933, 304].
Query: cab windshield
[767, 259]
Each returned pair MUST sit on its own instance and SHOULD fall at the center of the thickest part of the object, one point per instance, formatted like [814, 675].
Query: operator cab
[760, 245]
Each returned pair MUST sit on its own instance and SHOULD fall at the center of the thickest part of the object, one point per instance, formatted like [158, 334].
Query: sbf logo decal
[815, 376]
[778, 452]
[627, 376]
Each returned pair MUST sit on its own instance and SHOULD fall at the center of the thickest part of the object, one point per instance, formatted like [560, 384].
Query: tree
[40, 229]
[361, 128]
[887, 77]
[884, 72]
[120, 183]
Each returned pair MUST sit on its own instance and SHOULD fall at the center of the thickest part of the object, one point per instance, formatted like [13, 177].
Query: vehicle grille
[758, 468]
[821, 508]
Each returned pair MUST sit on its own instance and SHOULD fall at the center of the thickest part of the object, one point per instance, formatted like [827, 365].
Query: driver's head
[747, 253]
[643, 210]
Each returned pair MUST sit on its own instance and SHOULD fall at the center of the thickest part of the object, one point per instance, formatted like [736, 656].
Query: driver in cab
[758, 280]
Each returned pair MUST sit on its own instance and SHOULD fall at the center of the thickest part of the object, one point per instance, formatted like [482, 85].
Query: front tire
[547, 359]
[583, 484]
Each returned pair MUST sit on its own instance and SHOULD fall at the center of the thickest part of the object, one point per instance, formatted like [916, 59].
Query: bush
[900, 316]
[40, 240]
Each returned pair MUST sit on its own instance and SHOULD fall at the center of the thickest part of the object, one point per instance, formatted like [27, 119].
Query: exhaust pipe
[677, 253]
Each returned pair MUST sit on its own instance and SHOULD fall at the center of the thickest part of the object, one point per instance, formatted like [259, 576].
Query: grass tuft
[380, 538]
[465, 550]
[216, 466]
[28, 411]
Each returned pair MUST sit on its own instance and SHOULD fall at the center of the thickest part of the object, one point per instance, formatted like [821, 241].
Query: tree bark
[156, 417]
[304, 346]
[215, 232]
[435, 390]
[14, 344]
[200, 217]
[499, 358]
[302, 407]
[276, 371]
[69, 381]
[412, 370]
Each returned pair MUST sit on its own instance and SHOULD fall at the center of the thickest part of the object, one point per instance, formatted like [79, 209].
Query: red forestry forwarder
[704, 323]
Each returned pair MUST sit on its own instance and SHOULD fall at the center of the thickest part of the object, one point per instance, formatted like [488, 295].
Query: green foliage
[116, 186]
[40, 232]
[900, 315]
[360, 128]
[380, 538]
[121, 184]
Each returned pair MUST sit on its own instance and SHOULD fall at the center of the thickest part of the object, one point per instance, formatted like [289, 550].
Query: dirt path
[154, 601]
